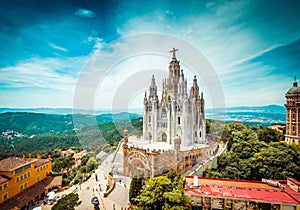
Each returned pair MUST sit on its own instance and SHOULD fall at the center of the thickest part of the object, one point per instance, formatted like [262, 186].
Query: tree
[255, 153]
[62, 163]
[216, 127]
[135, 187]
[67, 203]
[91, 164]
[161, 193]
[269, 135]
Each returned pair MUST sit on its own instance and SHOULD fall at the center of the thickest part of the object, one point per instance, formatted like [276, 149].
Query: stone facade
[173, 129]
[138, 161]
[177, 113]
[293, 114]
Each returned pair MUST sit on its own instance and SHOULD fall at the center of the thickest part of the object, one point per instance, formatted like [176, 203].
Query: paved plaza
[118, 199]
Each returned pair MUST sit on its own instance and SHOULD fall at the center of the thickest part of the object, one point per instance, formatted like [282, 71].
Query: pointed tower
[174, 67]
[153, 89]
[293, 114]
[177, 113]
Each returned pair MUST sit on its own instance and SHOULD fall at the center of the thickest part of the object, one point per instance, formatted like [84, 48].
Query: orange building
[21, 179]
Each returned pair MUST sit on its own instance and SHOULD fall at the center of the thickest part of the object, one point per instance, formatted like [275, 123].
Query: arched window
[163, 113]
[164, 137]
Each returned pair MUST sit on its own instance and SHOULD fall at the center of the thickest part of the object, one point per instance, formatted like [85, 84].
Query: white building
[179, 112]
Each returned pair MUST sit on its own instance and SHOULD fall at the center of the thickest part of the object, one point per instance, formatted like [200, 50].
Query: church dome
[295, 89]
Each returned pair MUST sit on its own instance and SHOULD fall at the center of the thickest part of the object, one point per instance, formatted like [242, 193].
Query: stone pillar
[125, 153]
[177, 142]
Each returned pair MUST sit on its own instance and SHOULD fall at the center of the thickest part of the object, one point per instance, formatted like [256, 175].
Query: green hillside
[35, 123]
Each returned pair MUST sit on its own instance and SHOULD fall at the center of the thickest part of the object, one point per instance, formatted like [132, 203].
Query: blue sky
[253, 46]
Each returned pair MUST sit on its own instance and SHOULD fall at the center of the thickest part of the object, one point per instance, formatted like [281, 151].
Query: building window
[25, 185]
[293, 116]
[200, 134]
[178, 120]
[149, 118]
[25, 176]
[5, 186]
[21, 187]
[17, 179]
[28, 174]
[293, 128]
[47, 173]
[0, 187]
[38, 178]
[195, 133]
[47, 166]
[5, 196]
[21, 177]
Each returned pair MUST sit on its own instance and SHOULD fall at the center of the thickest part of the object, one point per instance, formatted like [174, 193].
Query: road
[116, 201]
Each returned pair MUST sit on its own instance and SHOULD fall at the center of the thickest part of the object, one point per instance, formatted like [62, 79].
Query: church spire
[174, 67]
[153, 88]
[195, 88]
[295, 84]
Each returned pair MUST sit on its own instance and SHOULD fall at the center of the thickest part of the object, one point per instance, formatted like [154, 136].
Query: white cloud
[54, 46]
[98, 42]
[121, 71]
[85, 13]
[225, 35]
[39, 82]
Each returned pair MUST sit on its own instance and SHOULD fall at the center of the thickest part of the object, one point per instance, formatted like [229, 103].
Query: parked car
[95, 201]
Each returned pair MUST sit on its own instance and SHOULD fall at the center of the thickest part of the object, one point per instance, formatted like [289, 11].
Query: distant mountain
[59, 111]
[58, 120]
[62, 111]
[122, 116]
[269, 109]
[38, 123]
[253, 115]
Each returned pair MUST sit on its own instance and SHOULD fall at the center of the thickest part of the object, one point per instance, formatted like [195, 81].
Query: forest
[90, 138]
[253, 152]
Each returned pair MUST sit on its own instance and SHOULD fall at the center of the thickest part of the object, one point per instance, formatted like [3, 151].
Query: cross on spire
[173, 51]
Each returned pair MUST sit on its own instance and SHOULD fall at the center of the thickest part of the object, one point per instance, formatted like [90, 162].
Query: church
[174, 129]
[179, 112]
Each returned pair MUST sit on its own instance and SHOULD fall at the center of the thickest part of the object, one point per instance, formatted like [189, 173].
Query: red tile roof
[13, 163]
[294, 181]
[295, 195]
[242, 190]
[40, 162]
[3, 179]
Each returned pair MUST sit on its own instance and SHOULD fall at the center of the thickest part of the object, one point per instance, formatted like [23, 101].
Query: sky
[106, 51]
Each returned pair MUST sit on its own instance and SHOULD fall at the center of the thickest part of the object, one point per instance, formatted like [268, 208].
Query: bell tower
[293, 114]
